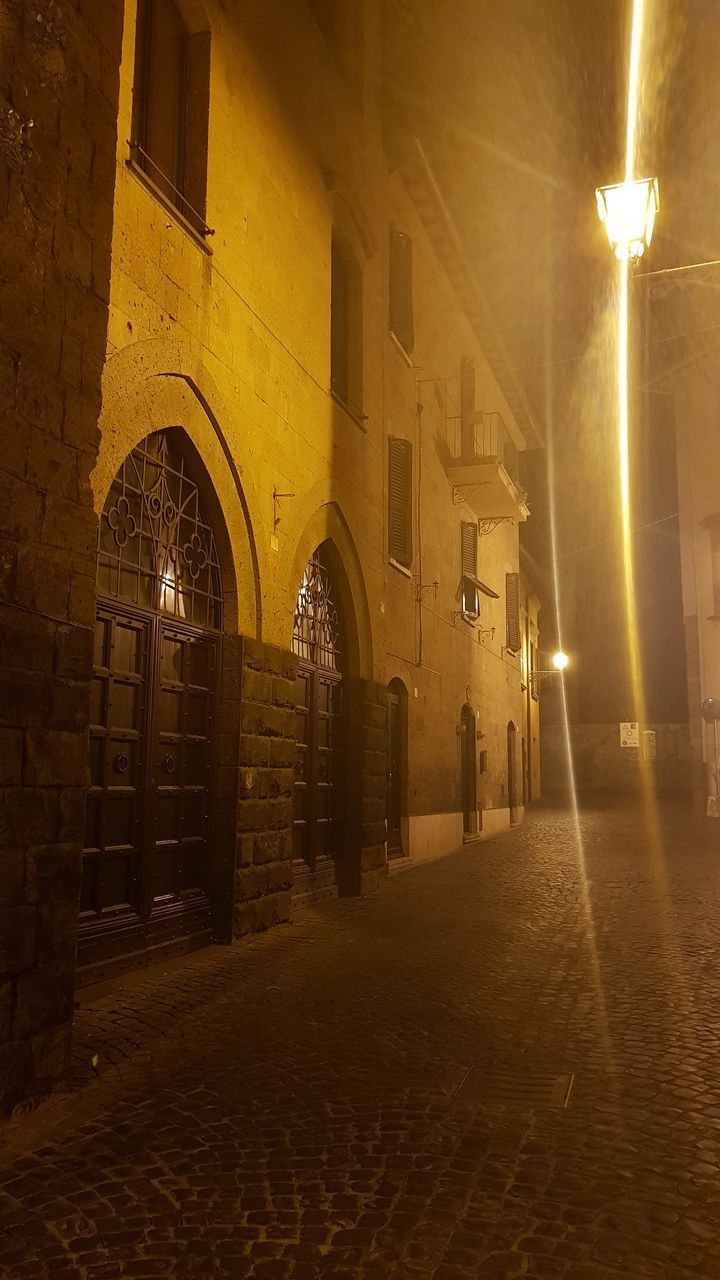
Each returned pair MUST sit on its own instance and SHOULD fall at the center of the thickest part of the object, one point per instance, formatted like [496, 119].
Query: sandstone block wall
[601, 764]
[58, 110]
[266, 757]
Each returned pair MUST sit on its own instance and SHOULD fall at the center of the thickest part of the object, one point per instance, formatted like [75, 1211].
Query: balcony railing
[486, 438]
[485, 470]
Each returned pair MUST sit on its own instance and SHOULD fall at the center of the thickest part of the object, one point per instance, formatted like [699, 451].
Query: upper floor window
[469, 586]
[346, 327]
[342, 24]
[400, 290]
[400, 501]
[171, 99]
[512, 612]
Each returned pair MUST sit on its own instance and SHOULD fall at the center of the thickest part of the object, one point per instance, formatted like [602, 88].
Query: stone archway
[319, 643]
[468, 771]
[397, 777]
[148, 877]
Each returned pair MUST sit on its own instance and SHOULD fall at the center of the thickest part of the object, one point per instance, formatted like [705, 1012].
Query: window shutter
[401, 303]
[400, 501]
[469, 537]
[512, 611]
[469, 595]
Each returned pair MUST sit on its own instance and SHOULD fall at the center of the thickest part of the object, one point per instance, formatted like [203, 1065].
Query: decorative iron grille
[317, 634]
[155, 546]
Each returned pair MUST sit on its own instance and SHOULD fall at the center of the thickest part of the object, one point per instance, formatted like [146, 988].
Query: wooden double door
[318, 712]
[146, 861]
[468, 771]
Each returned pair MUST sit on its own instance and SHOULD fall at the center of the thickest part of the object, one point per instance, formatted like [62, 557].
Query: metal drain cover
[518, 1088]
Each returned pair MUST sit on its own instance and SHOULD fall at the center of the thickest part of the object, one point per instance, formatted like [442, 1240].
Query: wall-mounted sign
[629, 734]
[649, 744]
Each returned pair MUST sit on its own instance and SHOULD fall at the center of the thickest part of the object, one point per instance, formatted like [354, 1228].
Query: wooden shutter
[401, 302]
[512, 612]
[400, 501]
[469, 597]
[469, 537]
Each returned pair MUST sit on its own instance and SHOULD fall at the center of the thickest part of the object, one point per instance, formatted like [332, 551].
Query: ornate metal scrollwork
[317, 633]
[156, 547]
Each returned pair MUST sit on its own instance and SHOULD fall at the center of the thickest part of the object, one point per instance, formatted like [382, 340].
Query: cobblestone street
[377, 1089]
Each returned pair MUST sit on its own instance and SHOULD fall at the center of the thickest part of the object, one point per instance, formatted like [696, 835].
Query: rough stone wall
[263, 873]
[602, 764]
[58, 108]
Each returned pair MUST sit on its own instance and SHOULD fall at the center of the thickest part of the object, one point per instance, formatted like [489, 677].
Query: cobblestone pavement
[301, 1105]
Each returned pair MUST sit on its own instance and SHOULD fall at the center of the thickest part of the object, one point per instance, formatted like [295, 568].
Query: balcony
[484, 470]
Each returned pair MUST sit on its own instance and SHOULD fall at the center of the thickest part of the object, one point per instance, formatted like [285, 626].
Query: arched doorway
[397, 767]
[318, 643]
[468, 773]
[512, 770]
[146, 862]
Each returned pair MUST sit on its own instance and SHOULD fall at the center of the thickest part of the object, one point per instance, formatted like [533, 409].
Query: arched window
[317, 641]
[316, 632]
[156, 548]
[148, 848]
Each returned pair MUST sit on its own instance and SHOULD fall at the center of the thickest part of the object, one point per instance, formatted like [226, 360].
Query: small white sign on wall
[649, 743]
[629, 734]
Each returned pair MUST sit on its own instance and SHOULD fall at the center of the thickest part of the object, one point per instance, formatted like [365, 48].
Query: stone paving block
[277, 1108]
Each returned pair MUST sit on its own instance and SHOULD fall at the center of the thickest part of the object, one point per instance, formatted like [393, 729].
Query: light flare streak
[678, 991]
[580, 858]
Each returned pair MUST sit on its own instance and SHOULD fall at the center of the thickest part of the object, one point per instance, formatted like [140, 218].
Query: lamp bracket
[422, 587]
[459, 490]
[276, 507]
[489, 526]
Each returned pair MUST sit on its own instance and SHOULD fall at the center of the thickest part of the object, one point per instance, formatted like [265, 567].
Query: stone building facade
[264, 628]
[58, 121]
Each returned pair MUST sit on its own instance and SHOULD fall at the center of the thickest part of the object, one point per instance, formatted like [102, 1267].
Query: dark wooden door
[112, 858]
[318, 709]
[318, 718]
[182, 764]
[395, 779]
[468, 771]
[145, 861]
[145, 878]
[512, 771]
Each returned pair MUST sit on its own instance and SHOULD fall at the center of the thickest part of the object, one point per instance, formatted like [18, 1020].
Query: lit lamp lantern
[560, 660]
[628, 210]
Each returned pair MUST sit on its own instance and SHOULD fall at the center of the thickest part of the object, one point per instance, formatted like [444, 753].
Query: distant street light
[559, 661]
[628, 210]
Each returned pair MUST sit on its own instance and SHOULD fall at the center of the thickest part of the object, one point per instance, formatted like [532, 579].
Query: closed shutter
[469, 549]
[400, 288]
[469, 596]
[512, 612]
[400, 501]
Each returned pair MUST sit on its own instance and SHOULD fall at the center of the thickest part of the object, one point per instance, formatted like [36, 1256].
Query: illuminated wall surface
[212, 356]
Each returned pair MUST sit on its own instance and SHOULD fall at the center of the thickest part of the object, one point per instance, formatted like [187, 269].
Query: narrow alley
[505, 1064]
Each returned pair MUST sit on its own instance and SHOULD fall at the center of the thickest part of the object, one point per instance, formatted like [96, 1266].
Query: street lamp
[628, 210]
[559, 661]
